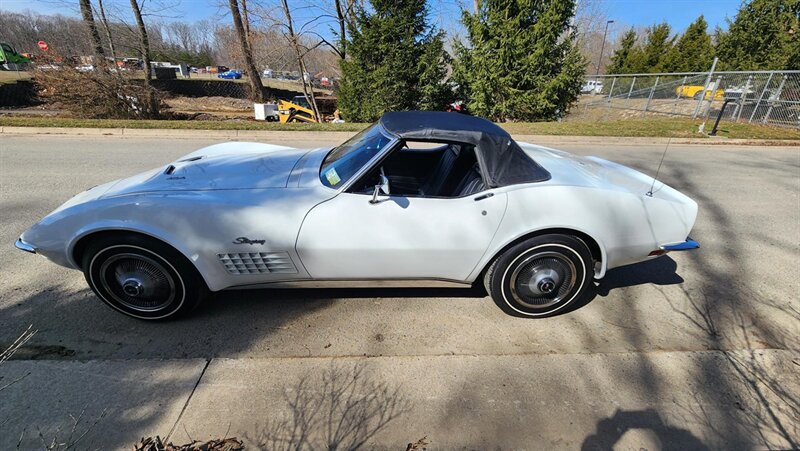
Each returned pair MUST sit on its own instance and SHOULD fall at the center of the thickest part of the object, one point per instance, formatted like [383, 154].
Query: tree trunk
[246, 24]
[252, 72]
[144, 49]
[94, 36]
[107, 29]
[341, 17]
[308, 91]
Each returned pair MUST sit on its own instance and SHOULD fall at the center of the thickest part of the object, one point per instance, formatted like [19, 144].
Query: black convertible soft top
[502, 161]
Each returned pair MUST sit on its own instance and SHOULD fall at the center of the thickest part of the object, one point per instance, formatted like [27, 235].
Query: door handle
[485, 196]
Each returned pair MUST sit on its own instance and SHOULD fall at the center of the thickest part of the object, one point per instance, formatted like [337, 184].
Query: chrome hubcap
[543, 279]
[138, 282]
[133, 287]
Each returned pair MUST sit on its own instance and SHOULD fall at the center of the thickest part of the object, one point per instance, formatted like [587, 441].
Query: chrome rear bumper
[23, 246]
[687, 245]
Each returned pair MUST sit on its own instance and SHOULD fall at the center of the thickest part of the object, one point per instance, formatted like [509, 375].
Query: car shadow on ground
[658, 271]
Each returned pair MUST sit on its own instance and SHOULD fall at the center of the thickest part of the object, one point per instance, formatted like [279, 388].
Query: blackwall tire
[142, 277]
[541, 276]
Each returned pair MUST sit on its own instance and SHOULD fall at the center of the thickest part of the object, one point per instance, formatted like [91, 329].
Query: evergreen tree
[522, 62]
[656, 46]
[396, 61]
[433, 90]
[763, 36]
[693, 52]
[620, 60]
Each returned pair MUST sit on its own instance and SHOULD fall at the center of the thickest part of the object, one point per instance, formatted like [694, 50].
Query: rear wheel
[142, 277]
[541, 275]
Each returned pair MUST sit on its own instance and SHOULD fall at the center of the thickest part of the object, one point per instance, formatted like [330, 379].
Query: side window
[426, 169]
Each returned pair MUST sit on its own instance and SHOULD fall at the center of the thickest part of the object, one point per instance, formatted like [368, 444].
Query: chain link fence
[765, 97]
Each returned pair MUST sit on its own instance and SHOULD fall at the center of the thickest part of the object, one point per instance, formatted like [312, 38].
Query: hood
[221, 166]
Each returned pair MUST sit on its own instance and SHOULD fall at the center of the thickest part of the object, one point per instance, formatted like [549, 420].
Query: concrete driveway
[692, 351]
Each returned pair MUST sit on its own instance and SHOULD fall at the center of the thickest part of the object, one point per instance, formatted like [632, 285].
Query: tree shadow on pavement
[340, 408]
[90, 366]
[731, 315]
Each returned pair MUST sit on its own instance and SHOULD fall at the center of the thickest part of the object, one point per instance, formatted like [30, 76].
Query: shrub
[98, 93]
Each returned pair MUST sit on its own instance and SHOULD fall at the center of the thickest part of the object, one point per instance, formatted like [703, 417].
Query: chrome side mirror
[382, 187]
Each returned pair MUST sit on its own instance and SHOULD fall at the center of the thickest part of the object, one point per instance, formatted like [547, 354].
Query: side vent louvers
[257, 263]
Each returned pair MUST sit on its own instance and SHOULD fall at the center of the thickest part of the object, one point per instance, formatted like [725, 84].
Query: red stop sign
[43, 45]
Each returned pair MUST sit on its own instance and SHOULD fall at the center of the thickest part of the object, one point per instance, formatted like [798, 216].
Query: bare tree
[344, 19]
[144, 50]
[246, 24]
[590, 22]
[88, 20]
[107, 28]
[300, 52]
[66, 35]
[255, 80]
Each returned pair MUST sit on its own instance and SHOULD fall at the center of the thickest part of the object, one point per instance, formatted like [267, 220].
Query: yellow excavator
[295, 110]
[299, 110]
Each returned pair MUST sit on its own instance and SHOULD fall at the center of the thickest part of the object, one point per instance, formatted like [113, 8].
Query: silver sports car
[419, 198]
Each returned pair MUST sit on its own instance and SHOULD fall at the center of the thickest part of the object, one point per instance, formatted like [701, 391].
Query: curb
[299, 135]
[303, 135]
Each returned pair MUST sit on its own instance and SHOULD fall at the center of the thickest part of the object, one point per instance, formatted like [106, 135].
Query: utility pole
[602, 47]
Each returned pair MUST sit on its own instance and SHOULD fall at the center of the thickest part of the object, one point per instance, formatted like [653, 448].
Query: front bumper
[23, 246]
[687, 245]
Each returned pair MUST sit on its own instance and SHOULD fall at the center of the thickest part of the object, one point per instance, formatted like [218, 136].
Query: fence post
[628, 99]
[611, 91]
[678, 96]
[650, 97]
[717, 84]
[760, 98]
[705, 88]
[740, 103]
[777, 98]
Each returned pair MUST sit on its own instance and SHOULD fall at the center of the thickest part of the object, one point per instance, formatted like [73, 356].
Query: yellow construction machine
[295, 110]
[299, 110]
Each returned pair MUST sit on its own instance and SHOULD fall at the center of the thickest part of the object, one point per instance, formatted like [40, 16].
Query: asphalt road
[740, 292]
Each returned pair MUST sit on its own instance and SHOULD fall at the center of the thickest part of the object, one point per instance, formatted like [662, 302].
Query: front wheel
[142, 277]
[540, 276]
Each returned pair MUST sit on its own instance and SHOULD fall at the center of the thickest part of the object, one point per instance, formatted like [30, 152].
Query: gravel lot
[727, 315]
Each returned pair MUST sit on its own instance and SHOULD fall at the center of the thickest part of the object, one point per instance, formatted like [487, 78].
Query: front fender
[203, 266]
[168, 218]
[201, 225]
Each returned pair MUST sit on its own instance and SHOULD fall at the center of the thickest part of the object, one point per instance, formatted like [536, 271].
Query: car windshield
[344, 161]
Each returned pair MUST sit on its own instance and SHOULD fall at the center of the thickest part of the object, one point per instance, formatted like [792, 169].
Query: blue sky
[678, 13]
